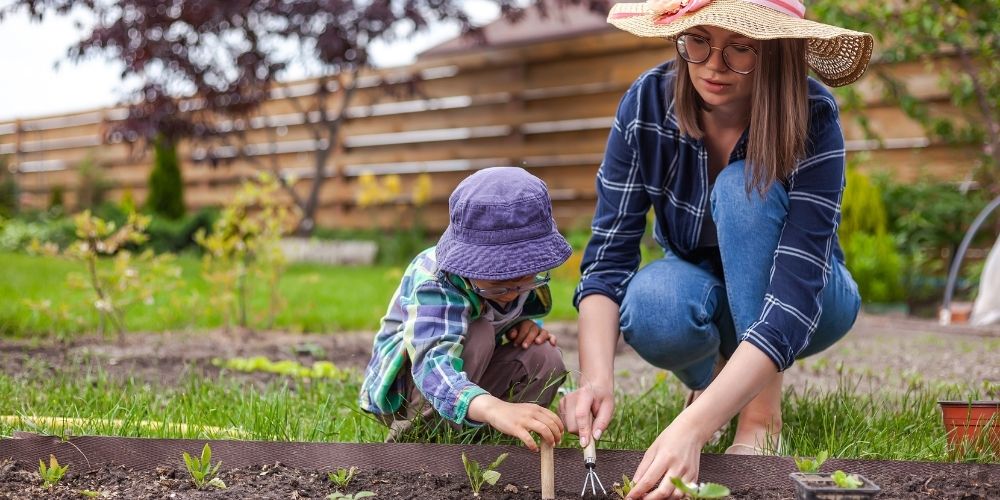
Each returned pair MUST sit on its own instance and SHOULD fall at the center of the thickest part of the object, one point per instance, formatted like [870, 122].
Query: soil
[20, 481]
[891, 354]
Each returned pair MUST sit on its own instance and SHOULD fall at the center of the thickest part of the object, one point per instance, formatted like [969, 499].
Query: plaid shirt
[648, 162]
[423, 330]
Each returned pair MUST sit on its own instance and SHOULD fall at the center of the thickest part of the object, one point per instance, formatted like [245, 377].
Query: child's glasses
[499, 291]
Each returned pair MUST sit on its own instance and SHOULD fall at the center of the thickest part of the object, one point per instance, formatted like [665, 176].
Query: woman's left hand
[676, 452]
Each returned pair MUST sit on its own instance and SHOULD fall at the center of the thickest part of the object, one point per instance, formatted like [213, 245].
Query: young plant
[478, 475]
[342, 496]
[51, 474]
[203, 473]
[90, 493]
[624, 488]
[811, 465]
[700, 490]
[342, 476]
[846, 481]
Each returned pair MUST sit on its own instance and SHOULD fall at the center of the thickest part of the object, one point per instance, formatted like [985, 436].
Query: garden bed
[151, 468]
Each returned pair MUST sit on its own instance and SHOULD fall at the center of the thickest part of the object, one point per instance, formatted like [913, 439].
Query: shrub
[9, 191]
[166, 188]
[869, 250]
[57, 197]
[91, 187]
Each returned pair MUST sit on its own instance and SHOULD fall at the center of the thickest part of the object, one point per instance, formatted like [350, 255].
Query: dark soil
[21, 481]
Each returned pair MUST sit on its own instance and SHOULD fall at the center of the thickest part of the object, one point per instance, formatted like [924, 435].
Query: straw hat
[839, 56]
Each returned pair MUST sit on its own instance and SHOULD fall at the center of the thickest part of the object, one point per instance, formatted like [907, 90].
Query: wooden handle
[548, 473]
[590, 452]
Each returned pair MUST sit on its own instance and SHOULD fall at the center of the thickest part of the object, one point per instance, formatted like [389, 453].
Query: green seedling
[90, 493]
[700, 490]
[51, 474]
[478, 475]
[811, 465]
[357, 496]
[203, 473]
[624, 488]
[342, 476]
[846, 481]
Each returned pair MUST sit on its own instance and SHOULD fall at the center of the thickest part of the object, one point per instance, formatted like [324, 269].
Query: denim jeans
[680, 315]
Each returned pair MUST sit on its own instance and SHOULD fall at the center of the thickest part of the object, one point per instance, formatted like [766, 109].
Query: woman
[741, 157]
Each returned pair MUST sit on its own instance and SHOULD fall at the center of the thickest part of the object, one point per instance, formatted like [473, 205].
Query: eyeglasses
[499, 291]
[696, 49]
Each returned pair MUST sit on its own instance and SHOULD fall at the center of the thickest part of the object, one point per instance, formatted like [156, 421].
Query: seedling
[203, 473]
[846, 481]
[811, 465]
[342, 476]
[90, 493]
[357, 496]
[700, 490]
[478, 475]
[624, 488]
[51, 474]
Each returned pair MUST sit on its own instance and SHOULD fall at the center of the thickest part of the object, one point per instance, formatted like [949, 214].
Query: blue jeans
[680, 315]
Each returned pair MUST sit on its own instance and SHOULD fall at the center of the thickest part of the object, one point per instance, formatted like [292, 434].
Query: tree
[206, 66]
[925, 30]
[166, 189]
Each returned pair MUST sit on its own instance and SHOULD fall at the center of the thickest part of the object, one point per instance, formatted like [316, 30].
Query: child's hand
[528, 332]
[517, 419]
[520, 419]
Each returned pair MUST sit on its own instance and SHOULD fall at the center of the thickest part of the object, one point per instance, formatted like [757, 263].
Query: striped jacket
[422, 331]
[649, 163]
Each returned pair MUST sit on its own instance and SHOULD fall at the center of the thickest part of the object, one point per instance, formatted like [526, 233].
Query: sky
[32, 85]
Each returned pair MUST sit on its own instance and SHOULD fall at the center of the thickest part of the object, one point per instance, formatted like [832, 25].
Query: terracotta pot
[820, 486]
[968, 421]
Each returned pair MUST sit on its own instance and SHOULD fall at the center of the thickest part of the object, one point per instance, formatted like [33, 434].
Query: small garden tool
[590, 462]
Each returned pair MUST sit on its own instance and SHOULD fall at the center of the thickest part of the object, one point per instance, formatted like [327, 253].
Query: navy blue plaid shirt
[649, 163]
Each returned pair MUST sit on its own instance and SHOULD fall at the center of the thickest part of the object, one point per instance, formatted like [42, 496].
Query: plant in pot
[811, 484]
[971, 424]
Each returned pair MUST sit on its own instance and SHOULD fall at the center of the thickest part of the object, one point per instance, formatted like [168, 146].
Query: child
[440, 347]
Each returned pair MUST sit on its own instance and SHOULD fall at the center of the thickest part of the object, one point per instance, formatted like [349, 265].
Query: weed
[51, 474]
[342, 476]
[478, 475]
[356, 496]
[846, 481]
[622, 489]
[811, 465]
[203, 473]
[700, 490]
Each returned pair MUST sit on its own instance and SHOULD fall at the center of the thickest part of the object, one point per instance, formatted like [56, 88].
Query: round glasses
[500, 291]
[696, 49]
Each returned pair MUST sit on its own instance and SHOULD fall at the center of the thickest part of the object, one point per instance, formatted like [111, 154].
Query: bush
[57, 197]
[166, 189]
[9, 192]
[92, 187]
[869, 250]
[166, 235]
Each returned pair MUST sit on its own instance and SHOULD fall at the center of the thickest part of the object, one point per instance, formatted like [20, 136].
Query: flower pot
[820, 486]
[968, 422]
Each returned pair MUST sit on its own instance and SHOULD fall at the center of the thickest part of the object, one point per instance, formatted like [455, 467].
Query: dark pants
[509, 372]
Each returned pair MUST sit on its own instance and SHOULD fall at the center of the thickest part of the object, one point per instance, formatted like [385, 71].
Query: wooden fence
[546, 106]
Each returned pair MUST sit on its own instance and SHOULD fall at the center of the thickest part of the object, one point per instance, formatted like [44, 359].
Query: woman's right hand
[587, 411]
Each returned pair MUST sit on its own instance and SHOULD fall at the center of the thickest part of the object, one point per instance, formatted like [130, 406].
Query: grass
[318, 298]
[847, 422]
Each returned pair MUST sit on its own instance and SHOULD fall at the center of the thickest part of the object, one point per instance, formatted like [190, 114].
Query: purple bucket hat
[501, 227]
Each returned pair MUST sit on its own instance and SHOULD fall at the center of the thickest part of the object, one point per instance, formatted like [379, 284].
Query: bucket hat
[500, 227]
[838, 56]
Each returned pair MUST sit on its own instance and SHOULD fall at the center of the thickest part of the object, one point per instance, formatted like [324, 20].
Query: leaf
[496, 463]
[712, 490]
[681, 485]
[363, 494]
[491, 477]
[218, 483]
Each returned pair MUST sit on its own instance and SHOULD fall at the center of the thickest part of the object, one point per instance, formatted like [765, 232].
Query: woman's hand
[676, 452]
[587, 411]
[517, 420]
[528, 333]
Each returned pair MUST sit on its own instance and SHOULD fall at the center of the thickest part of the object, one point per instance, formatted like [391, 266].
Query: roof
[565, 22]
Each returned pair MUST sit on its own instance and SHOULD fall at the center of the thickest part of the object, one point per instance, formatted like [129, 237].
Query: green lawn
[318, 298]
[846, 422]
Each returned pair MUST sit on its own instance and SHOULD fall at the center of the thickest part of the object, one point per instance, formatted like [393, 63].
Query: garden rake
[590, 462]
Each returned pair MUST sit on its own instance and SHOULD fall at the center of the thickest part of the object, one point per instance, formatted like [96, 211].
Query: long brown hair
[779, 110]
